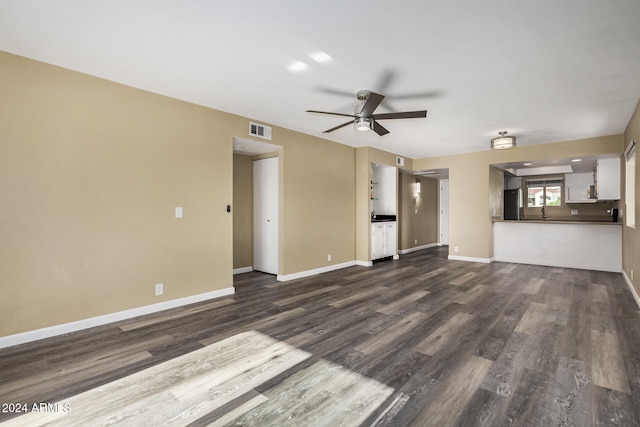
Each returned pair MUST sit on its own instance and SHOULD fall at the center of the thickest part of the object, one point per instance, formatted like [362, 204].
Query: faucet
[543, 214]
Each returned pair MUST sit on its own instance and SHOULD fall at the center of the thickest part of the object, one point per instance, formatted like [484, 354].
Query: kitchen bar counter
[553, 221]
[572, 244]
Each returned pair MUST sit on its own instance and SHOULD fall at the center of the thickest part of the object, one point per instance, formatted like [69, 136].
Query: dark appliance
[512, 204]
[614, 214]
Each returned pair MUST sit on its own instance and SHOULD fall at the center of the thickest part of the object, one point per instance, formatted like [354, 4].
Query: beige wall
[423, 224]
[90, 175]
[242, 211]
[363, 205]
[496, 193]
[470, 227]
[318, 208]
[91, 172]
[631, 236]
[496, 198]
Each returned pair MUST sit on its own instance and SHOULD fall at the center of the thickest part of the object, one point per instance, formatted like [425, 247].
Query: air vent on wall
[399, 161]
[260, 131]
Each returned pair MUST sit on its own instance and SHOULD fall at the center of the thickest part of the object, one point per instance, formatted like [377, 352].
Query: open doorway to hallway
[250, 243]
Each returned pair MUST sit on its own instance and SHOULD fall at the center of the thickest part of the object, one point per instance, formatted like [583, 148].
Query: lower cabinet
[383, 239]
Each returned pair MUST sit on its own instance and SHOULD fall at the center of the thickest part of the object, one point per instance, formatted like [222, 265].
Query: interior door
[444, 212]
[265, 215]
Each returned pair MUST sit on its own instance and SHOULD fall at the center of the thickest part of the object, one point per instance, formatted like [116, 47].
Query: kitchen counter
[383, 218]
[547, 221]
[572, 244]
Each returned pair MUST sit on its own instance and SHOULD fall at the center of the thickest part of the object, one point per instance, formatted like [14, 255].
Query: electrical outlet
[415, 242]
[329, 257]
[159, 289]
[456, 249]
[178, 212]
[574, 211]
[416, 211]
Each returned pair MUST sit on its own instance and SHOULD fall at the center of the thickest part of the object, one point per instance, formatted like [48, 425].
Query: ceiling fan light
[363, 124]
[503, 142]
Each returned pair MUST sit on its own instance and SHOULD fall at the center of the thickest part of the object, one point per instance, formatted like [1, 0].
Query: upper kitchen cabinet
[608, 179]
[577, 187]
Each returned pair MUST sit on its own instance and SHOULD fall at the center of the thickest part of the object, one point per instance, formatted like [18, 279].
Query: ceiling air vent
[261, 131]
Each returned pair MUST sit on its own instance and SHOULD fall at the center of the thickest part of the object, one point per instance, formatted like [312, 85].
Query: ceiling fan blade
[401, 115]
[379, 129]
[338, 92]
[416, 95]
[370, 105]
[328, 112]
[339, 126]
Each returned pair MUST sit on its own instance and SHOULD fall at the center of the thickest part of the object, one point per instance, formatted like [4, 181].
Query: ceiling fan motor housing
[363, 94]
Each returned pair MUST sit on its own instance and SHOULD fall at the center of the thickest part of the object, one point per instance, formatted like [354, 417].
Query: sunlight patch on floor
[230, 372]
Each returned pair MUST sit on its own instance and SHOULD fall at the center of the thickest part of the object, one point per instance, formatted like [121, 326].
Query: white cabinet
[608, 179]
[390, 235]
[577, 187]
[383, 239]
[377, 240]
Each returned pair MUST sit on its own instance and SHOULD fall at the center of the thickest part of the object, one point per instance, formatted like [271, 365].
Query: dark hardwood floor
[418, 341]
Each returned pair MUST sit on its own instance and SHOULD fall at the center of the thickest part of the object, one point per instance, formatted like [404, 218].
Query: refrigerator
[512, 200]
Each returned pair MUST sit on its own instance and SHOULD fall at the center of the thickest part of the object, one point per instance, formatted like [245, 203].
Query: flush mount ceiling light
[503, 142]
[363, 123]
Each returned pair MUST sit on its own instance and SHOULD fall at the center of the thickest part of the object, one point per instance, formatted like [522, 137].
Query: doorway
[444, 212]
[245, 153]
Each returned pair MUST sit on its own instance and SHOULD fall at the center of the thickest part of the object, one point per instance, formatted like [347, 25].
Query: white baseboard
[631, 288]
[418, 248]
[243, 270]
[65, 328]
[364, 263]
[301, 274]
[470, 259]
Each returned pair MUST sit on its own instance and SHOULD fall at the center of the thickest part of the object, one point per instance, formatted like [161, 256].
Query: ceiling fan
[364, 118]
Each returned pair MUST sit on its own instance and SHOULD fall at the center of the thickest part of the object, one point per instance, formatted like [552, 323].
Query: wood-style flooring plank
[533, 319]
[533, 285]
[444, 334]
[471, 295]
[392, 333]
[608, 368]
[454, 394]
[306, 295]
[399, 303]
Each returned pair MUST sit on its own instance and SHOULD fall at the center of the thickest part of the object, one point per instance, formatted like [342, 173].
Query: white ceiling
[544, 70]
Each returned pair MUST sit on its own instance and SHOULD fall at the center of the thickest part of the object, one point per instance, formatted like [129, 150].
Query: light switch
[179, 212]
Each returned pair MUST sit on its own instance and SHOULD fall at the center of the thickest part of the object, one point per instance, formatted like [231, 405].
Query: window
[544, 192]
[630, 185]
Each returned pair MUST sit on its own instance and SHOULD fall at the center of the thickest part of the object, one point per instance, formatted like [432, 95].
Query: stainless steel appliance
[512, 204]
